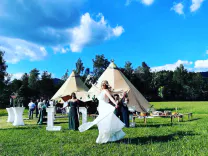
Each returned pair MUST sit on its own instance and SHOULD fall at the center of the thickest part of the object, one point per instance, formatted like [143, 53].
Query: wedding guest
[124, 109]
[36, 108]
[31, 106]
[42, 112]
[40, 104]
[73, 112]
[118, 112]
[11, 102]
[64, 110]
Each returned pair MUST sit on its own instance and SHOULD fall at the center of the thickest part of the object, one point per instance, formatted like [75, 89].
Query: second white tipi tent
[118, 82]
[72, 84]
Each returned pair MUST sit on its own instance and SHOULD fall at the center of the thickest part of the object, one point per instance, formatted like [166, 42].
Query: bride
[109, 125]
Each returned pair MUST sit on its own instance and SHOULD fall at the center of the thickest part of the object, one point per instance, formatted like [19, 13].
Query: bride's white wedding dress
[109, 125]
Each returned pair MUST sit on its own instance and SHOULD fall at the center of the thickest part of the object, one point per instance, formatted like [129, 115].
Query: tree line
[177, 85]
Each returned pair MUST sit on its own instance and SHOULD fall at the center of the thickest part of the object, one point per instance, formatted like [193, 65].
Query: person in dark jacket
[117, 111]
[36, 108]
[124, 109]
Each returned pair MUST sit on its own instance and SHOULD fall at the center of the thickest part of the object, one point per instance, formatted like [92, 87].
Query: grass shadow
[168, 109]
[195, 119]
[61, 117]
[154, 125]
[60, 122]
[156, 139]
[3, 114]
[21, 127]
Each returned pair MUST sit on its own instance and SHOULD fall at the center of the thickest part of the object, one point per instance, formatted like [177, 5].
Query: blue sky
[52, 35]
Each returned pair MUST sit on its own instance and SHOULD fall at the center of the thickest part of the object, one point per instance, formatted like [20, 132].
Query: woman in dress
[73, 112]
[109, 125]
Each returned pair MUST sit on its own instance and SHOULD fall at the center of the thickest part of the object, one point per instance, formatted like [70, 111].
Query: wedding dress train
[109, 125]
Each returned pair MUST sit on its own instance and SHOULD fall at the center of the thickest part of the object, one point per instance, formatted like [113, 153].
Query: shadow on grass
[168, 109]
[60, 122]
[195, 119]
[154, 125]
[22, 127]
[3, 114]
[156, 139]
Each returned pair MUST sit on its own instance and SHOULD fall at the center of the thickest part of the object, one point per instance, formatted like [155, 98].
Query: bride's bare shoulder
[106, 91]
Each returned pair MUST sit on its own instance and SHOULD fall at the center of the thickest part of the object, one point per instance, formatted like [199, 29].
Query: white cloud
[23, 40]
[128, 2]
[16, 76]
[196, 4]
[145, 2]
[171, 67]
[201, 64]
[178, 8]
[17, 49]
[118, 30]
[206, 51]
[91, 32]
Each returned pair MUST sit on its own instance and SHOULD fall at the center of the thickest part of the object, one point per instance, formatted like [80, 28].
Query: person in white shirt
[40, 104]
[31, 106]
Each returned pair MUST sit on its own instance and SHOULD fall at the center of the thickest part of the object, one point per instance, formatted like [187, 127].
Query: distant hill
[56, 81]
[204, 74]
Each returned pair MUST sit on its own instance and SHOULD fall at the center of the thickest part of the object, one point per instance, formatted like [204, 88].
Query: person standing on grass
[31, 106]
[36, 108]
[11, 102]
[42, 112]
[118, 112]
[73, 112]
[124, 109]
[40, 104]
[109, 125]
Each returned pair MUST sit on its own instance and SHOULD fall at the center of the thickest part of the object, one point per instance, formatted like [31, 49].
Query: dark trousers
[118, 113]
[125, 114]
[31, 113]
[37, 112]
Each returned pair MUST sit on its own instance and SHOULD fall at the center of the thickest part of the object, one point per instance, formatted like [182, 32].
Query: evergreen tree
[180, 77]
[100, 63]
[79, 67]
[22, 98]
[15, 85]
[65, 76]
[144, 79]
[128, 70]
[46, 85]
[3, 72]
[33, 79]
[4, 90]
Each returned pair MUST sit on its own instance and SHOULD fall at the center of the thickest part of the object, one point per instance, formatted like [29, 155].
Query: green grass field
[157, 137]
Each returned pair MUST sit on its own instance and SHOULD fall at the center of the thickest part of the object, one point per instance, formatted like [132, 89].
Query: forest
[177, 85]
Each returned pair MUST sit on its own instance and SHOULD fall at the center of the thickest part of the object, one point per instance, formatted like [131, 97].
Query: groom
[117, 111]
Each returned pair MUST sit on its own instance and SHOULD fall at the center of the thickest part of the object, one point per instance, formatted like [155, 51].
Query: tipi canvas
[72, 84]
[118, 82]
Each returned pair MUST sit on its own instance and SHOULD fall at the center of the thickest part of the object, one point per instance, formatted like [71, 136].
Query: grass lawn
[157, 137]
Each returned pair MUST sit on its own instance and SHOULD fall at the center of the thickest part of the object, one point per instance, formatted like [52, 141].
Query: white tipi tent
[118, 82]
[72, 84]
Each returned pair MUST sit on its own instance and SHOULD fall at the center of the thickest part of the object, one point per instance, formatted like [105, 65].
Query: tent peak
[73, 73]
[112, 65]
